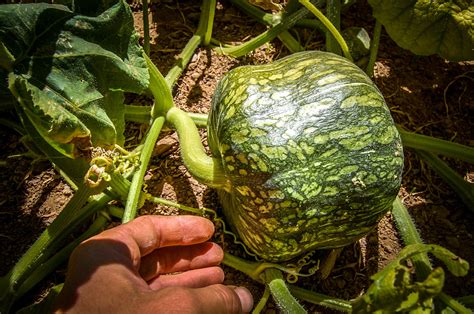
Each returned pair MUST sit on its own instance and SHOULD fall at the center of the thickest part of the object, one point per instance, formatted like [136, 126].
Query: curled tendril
[306, 260]
[217, 219]
[293, 271]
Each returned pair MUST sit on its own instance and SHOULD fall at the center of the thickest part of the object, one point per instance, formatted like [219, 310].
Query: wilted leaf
[429, 27]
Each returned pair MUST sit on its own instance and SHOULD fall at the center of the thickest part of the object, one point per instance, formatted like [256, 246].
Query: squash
[311, 152]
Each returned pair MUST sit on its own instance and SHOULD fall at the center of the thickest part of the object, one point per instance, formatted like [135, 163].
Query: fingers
[177, 259]
[196, 278]
[147, 233]
[215, 298]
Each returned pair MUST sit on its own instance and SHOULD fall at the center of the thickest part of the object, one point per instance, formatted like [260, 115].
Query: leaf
[358, 41]
[71, 69]
[429, 27]
[393, 289]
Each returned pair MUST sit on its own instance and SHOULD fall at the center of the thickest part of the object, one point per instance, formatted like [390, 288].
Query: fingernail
[246, 298]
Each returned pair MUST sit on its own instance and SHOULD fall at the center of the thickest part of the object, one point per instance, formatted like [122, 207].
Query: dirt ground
[425, 94]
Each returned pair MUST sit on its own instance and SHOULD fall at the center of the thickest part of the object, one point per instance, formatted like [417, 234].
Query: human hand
[153, 264]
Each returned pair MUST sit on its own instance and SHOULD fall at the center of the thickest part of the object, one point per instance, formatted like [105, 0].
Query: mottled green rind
[311, 151]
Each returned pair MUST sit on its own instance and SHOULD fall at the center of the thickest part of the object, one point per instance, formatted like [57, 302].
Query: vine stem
[46, 244]
[410, 235]
[255, 270]
[435, 145]
[160, 90]
[134, 193]
[321, 299]
[374, 48]
[281, 294]
[332, 29]
[204, 168]
[263, 301]
[243, 49]
[203, 35]
[49, 266]
[270, 19]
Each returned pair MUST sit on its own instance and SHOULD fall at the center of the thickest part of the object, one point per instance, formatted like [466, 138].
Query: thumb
[214, 298]
[224, 299]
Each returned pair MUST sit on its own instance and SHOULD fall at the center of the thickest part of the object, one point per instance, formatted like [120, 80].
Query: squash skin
[310, 149]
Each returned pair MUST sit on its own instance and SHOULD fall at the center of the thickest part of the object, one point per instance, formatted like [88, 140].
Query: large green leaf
[429, 27]
[71, 67]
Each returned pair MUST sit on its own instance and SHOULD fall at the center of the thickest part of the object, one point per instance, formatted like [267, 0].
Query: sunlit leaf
[71, 69]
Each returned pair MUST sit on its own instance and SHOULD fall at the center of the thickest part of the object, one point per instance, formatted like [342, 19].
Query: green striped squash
[310, 149]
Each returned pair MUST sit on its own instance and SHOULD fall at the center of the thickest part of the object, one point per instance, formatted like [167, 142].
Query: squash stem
[312, 23]
[206, 21]
[409, 233]
[49, 266]
[453, 304]
[463, 189]
[138, 114]
[204, 168]
[254, 271]
[287, 22]
[435, 145]
[280, 292]
[183, 59]
[285, 36]
[244, 266]
[73, 214]
[321, 299]
[263, 301]
[165, 202]
[160, 90]
[374, 48]
[134, 193]
[333, 12]
[333, 30]
[202, 35]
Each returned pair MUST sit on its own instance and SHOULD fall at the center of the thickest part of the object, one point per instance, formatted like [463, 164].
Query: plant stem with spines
[280, 292]
[243, 49]
[204, 168]
[270, 19]
[435, 145]
[134, 193]
[202, 35]
[51, 264]
[409, 234]
[337, 35]
[46, 244]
